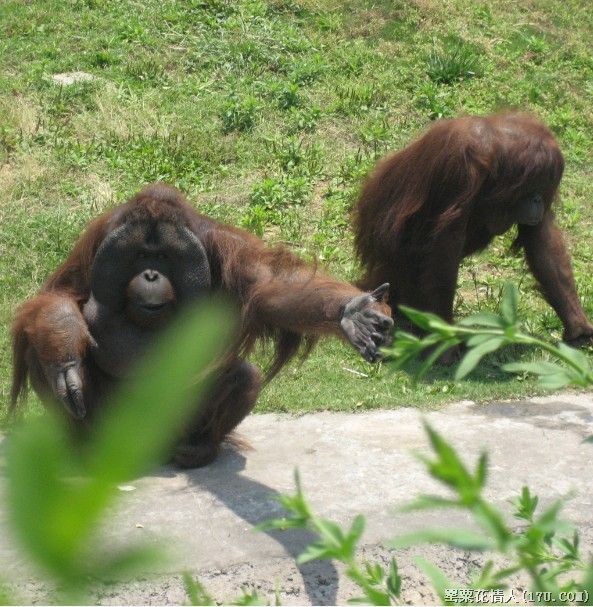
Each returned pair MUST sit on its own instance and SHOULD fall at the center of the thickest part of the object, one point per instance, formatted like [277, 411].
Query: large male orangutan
[448, 194]
[134, 267]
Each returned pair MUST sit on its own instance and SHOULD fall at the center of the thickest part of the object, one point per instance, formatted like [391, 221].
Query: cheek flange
[115, 262]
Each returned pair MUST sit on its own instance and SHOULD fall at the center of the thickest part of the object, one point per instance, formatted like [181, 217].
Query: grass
[268, 114]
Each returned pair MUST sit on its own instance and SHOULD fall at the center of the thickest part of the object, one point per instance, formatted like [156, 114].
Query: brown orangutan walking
[447, 195]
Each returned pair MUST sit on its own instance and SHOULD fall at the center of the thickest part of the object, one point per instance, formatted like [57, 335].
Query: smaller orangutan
[134, 268]
[447, 195]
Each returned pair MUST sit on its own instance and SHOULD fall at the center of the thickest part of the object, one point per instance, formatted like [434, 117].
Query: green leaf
[570, 547]
[509, 304]
[39, 499]
[434, 356]
[575, 356]
[457, 538]
[394, 580]
[249, 597]
[551, 375]
[526, 505]
[313, 552]
[359, 600]
[56, 495]
[494, 522]
[374, 572]
[555, 382]
[425, 502]
[482, 470]
[330, 533]
[475, 355]
[372, 594]
[439, 580]
[448, 468]
[589, 439]
[357, 527]
[353, 536]
[425, 320]
[536, 367]
[282, 524]
[476, 340]
[548, 520]
[371, 597]
[195, 591]
[483, 319]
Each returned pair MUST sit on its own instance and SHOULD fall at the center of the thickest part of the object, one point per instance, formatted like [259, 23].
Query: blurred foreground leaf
[57, 493]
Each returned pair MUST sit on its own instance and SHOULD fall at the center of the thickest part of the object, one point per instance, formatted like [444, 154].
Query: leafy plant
[276, 194]
[456, 61]
[374, 134]
[482, 334]
[304, 119]
[380, 586]
[239, 113]
[289, 97]
[256, 218]
[197, 594]
[544, 547]
[357, 98]
[433, 98]
[297, 157]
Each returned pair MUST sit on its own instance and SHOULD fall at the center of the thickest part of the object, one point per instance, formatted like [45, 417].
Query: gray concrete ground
[349, 464]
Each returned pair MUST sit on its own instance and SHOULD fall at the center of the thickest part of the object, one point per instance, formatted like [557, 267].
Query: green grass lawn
[268, 114]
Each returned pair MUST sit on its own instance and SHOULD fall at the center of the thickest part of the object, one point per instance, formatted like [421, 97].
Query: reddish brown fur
[282, 299]
[447, 194]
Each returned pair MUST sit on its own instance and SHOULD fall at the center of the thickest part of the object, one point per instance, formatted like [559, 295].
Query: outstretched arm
[549, 261]
[324, 306]
[279, 290]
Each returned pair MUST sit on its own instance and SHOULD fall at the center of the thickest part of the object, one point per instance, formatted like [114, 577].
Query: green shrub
[239, 114]
[456, 61]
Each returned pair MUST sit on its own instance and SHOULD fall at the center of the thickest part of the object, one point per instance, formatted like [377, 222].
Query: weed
[309, 69]
[484, 333]
[146, 70]
[358, 98]
[375, 133]
[239, 114]
[256, 218]
[435, 100]
[295, 156]
[304, 119]
[289, 97]
[456, 61]
[544, 549]
[278, 194]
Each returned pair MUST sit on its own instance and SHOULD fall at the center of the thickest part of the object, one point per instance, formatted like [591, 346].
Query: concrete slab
[349, 464]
